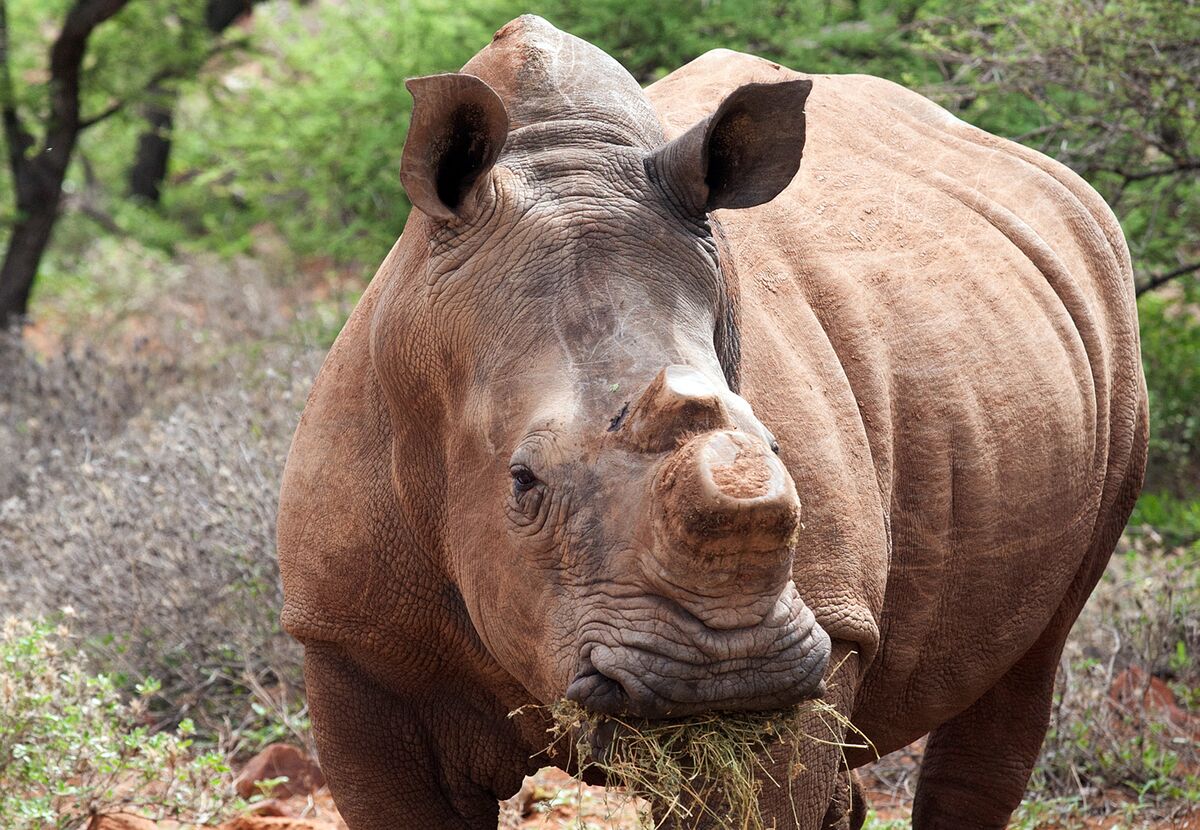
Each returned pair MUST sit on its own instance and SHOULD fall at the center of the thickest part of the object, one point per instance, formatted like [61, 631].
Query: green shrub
[1176, 520]
[309, 137]
[1171, 357]
[1108, 87]
[70, 747]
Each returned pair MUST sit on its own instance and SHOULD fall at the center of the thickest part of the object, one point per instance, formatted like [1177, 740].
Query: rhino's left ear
[742, 155]
[458, 128]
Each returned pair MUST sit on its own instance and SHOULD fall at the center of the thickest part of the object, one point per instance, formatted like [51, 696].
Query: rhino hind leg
[978, 763]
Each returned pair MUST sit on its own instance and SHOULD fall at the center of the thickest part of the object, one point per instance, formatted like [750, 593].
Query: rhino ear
[459, 126]
[742, 155]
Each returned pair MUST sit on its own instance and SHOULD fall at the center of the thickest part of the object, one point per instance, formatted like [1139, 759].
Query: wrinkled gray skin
[526, 472]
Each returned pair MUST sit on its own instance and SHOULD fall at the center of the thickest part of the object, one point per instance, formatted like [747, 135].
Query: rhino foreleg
[381, 756]
[808, 791]
[848, 810]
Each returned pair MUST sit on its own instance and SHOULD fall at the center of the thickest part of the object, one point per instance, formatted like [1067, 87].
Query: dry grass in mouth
[706, 770]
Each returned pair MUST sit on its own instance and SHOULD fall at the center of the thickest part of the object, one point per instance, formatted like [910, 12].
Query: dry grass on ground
[146, 444]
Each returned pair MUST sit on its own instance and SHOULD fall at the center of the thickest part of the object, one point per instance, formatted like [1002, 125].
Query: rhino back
[939, 325]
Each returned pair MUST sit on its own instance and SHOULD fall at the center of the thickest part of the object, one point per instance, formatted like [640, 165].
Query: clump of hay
[707, 769]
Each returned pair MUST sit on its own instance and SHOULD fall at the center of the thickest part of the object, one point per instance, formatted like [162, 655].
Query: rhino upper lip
[676, 635]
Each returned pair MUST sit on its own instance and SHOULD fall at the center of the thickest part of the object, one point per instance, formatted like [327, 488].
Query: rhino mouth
[678, 667]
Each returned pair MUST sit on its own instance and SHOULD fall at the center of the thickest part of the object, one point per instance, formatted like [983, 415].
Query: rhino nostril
[597, 692]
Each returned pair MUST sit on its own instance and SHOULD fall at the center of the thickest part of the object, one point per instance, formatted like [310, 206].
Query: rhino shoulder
[695, 90]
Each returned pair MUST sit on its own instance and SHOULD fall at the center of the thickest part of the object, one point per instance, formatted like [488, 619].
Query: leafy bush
[1176, 521]
[810, 36]
[70, 747]
[309, 136]
[1171, 357]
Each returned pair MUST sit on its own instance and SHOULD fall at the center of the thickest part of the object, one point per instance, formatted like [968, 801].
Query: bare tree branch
[103, 115]
[1162, 279]
[1152, 173]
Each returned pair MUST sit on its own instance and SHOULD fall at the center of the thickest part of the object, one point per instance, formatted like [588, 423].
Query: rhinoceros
[746, 388]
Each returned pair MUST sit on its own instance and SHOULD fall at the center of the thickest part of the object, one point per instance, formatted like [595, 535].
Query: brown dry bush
[140, 489]
[52, 407]
[1122, 728]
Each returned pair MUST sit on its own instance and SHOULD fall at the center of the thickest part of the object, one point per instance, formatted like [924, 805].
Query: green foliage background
[296, 122]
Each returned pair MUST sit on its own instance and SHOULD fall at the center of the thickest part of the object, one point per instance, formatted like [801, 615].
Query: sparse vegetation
[1118, 732]
[71, 748]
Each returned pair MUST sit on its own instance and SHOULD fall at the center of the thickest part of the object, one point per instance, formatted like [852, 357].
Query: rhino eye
[523, 479]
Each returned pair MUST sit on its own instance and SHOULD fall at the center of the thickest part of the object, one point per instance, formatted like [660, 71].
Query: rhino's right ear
[458, 128]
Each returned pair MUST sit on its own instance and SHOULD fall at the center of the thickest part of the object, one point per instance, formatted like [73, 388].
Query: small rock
[275, 823]
[121, 821]
[1134, 689]
[277, 761]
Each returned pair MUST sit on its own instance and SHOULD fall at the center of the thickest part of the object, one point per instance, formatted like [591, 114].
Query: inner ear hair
[727, 143]
[463, 154]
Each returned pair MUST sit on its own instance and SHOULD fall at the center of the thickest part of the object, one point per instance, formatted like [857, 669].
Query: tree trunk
[30, 237]
[149, 168]
[37, 177]
[153, 149]
[37, 186]
[219, 15]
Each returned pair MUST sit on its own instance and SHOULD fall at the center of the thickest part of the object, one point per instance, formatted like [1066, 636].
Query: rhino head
[616, 519]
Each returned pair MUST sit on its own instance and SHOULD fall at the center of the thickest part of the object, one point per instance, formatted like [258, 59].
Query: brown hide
[937, 325]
